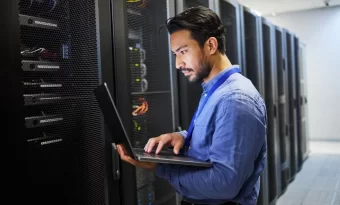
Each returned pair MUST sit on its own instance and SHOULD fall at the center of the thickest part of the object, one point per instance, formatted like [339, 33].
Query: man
[229, 127]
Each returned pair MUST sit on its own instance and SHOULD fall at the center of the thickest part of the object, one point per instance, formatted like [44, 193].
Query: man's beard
[202, 72]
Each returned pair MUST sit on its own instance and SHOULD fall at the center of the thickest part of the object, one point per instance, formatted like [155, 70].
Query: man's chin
[192, 79]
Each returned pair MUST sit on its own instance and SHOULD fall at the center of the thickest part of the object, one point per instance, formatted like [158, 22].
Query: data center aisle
[318, 183]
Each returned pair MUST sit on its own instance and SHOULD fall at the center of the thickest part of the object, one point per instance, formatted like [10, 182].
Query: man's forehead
[179, 39]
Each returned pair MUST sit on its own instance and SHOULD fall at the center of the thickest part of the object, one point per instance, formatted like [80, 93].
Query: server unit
[228, 11]
[144, 86]
[291, 70]
[189, 93]
[283, 108]
[255, 72]
[301, 92]
[54, 124]
[273, 137]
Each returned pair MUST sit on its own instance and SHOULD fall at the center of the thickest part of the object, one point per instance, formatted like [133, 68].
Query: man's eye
[183, 52]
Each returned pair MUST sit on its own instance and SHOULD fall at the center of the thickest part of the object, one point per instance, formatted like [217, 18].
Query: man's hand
[172, 139]
[145, 165]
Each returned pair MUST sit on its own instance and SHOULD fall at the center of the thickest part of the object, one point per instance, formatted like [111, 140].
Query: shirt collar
[207, 86]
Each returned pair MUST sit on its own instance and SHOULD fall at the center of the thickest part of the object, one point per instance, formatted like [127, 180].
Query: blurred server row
[58, 51]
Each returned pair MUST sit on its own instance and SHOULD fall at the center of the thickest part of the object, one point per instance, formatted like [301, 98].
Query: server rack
[273, 138]
[144, 87]
[228, 11]
[54, 122]
[301, 82]
[255, 72]
[242, 37]
[298, 102]
[291, 71]
[283, 109]
[189, 93]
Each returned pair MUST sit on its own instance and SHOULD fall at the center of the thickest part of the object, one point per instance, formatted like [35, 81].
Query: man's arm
[239, 135]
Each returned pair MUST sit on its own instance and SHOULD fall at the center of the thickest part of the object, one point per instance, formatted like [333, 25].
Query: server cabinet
[302, 101]
[255, 72]
[273, 137]
[228, 11]
[55, 127]
[253, 49]
[298, 102]
[291, 71]
[283, 109]
[144, 81]
[189, 93]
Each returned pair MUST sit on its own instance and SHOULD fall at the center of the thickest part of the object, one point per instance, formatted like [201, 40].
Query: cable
[142, 5]
[142, 109]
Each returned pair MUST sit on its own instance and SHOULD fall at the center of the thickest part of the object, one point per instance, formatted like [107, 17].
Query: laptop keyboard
[164, 154]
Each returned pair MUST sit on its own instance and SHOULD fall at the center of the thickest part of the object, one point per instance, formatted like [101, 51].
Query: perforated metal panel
[229, 17]
[193, 3]
[62, 120]
[150, 77]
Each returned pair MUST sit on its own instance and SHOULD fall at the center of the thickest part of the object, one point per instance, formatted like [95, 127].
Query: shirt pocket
[199, 145]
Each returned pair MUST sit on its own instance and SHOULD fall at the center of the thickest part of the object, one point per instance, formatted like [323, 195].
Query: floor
[318, 183]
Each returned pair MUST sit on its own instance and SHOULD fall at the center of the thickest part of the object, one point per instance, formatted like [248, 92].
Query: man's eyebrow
[180, 48]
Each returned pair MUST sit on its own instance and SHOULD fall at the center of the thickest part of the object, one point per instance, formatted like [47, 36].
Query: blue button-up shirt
[230, 132]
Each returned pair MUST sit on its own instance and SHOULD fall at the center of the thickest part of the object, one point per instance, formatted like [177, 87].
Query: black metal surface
[273, 138]
[253, 50]
[105, 51]
[193, 3]
[292, 104]
[11, 94]
[283, 109]
[54, 124]
[298, 102]
[229, 14]
[255, 72]
[122, 93]
[147, 71]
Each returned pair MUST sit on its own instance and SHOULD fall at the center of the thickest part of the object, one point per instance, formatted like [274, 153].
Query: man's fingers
[120, 151]
[160, 146]
[164, 141]
[152, 142]
[125, 157]
[177, 147]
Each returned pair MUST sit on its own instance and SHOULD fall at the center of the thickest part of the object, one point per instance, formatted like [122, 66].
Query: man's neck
[221, 62]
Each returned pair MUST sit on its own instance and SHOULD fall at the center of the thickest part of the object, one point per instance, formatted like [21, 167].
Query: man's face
[190, 58]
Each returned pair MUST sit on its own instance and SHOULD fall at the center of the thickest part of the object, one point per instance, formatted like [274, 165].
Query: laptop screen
[112, 118]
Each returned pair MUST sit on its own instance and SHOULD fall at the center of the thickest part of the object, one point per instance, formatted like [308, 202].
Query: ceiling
[273, 7]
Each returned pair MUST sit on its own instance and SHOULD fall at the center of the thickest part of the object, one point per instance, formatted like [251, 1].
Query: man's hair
[202, 23]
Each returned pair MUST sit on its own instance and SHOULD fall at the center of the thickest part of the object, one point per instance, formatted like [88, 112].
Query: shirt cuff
[183, 133]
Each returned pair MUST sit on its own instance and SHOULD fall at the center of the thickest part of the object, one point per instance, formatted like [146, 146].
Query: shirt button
[205, 95]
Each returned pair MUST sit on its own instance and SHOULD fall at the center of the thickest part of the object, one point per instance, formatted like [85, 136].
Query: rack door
[63, 125]
[144, 81]
[291, 69]
[283, 109]
[228, 10]
[273, 138]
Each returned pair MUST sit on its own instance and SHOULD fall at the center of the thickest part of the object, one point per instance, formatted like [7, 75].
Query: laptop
[119, 135]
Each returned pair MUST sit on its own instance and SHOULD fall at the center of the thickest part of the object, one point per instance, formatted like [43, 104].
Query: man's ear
[212, 45]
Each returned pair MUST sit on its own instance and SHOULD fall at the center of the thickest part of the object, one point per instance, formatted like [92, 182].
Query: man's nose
[179, 63]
